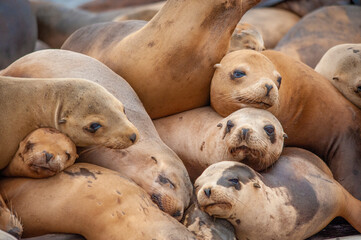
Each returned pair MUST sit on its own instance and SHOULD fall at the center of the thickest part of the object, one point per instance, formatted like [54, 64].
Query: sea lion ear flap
[285, 136]
[217, 65]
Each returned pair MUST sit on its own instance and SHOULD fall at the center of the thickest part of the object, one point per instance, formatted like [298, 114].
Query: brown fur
[229, 93]
[106, 5]
[149, 155]
[289, 201]
[43, 153]
[341, 65]
[320, 30]
[201, 137]
[170, 75]
[273, 23]
[92, 201]
[70, 105]
[9, 221]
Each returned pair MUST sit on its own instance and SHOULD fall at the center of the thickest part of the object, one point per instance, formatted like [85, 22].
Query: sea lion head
[90, 115]
[246, 36]
[154, 167]
[244, 78]
[341, 65]
[225, 186]
[252, 136]
[43, 153]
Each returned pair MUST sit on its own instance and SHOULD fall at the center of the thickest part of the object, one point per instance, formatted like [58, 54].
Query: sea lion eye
[279, 80]
[270, 129]
[233, 180]
[238, 74]
[335, 78]
[94, 127]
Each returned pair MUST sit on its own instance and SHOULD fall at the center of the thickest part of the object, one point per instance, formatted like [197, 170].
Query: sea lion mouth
[245, 150]
[254, 103]
[219, 205]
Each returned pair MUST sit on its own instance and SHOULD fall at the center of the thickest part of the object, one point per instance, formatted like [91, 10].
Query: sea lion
[92, 201]
[246, 36]
[56, 22]
[9, 223]
[320, 30]
[81, 109]
[163, 176]
[18, 30]
[177, 48]
[273, 23]
[244, 78]
[106, 5]
[43, 153]
[291, 200]
[201, 137]
[342, 66]
[206, 227]
[318, 118]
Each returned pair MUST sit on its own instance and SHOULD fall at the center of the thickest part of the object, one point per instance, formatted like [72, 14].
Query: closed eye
[238, 74]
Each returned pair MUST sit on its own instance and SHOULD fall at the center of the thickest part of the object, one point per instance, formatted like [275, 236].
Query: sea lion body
[320, 30]
[201, 137]
[69, 105]
[244, 78]
[43, 153]
[318, 118]
[341, 65]
[57, 22]
[273, 23]
[197, 37]
[291, 200]
[9, 223]
[92, 201]
[18, 31]
[163, 174]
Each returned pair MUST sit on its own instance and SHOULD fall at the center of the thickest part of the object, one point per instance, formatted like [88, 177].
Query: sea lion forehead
[239, 172]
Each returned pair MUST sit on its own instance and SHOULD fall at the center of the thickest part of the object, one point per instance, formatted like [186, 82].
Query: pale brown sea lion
[43, 153]
[163, 176]
[244, 78]
[273, 23]
[291, 200]
[201, 137]
[320, 30]
[92, 201]
[318, 118]
[341, 65]
[246, 36]
[18, 30]
[81, 109]
[57, 22]
[106, 5]
[177, 48]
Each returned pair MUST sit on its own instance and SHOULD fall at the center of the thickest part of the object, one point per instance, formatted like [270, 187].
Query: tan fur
[107, 5]
[43, 153]
[229, 94]
[290, 201]
[341, 65]
[168, 62]
[163, 174]
[273, 23]
[246, 36]
[201, 137]
[9, 221]
[69, 105]
[320, 30]
[92, 201]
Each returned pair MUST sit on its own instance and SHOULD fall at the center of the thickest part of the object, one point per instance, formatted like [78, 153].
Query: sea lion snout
[269, 88]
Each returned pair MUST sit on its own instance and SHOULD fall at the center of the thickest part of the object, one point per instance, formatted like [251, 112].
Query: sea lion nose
[269, 88]
[208, 192]
[48, 156]
[245, 131]
[133, 137]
